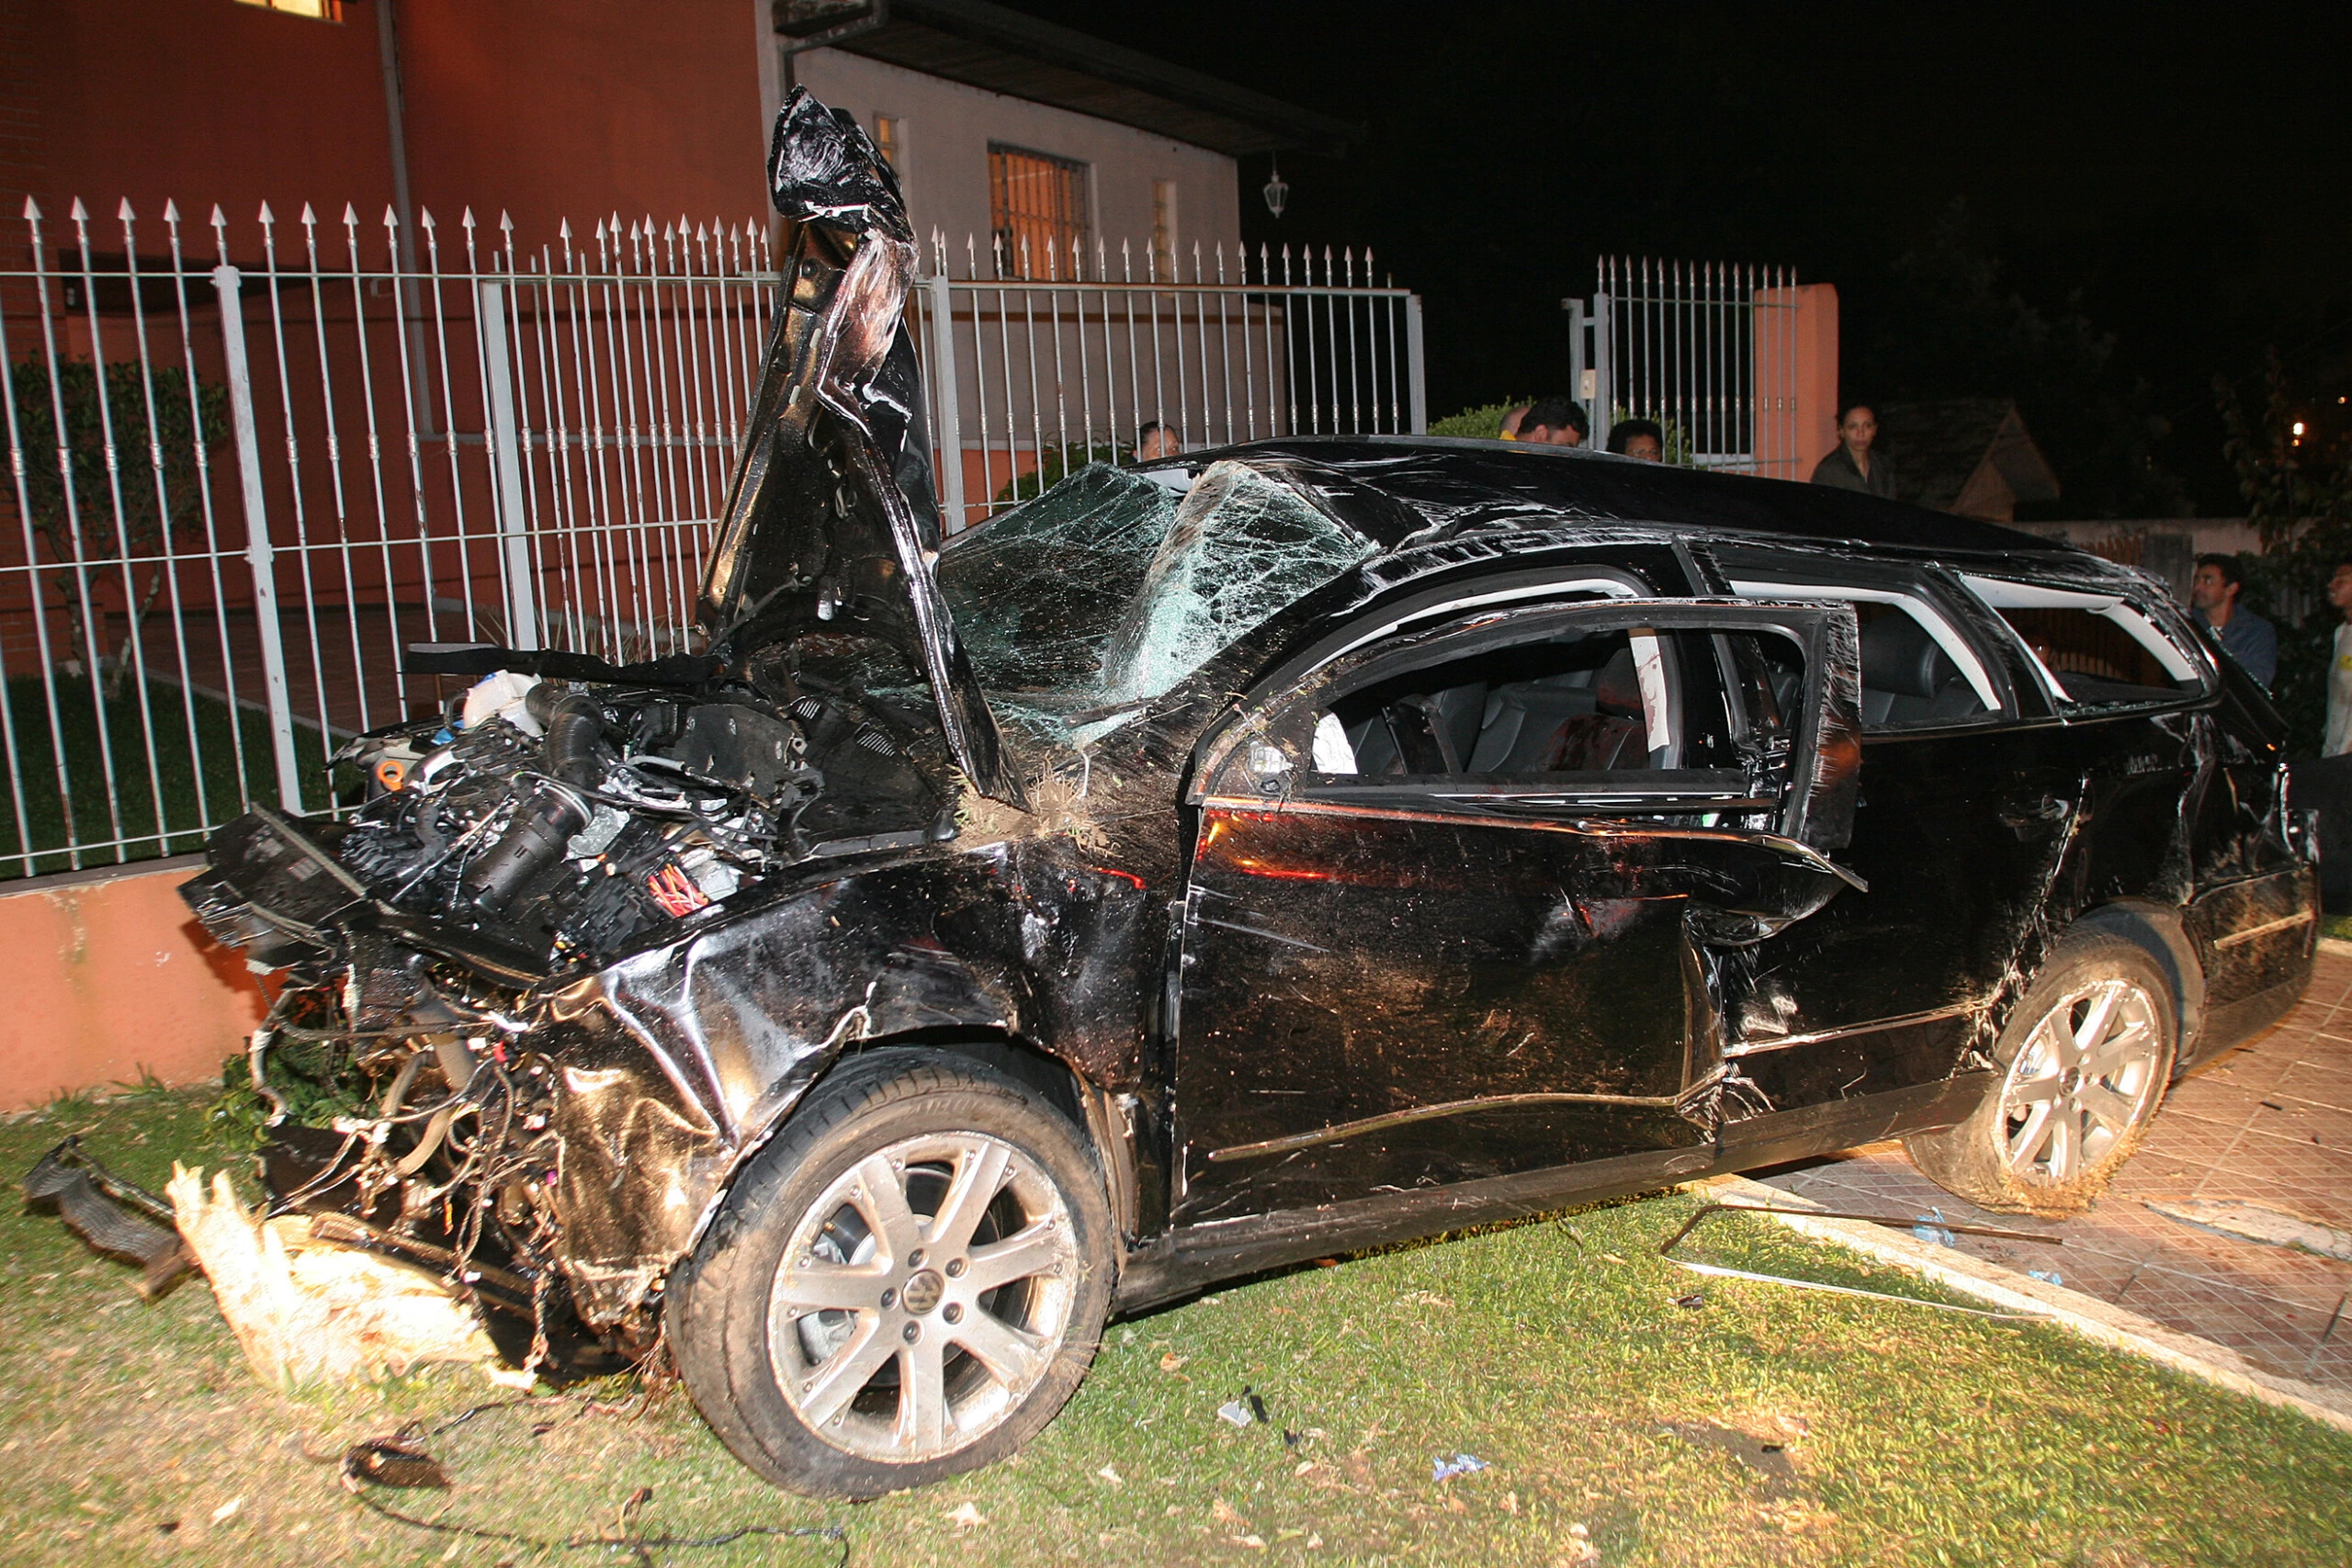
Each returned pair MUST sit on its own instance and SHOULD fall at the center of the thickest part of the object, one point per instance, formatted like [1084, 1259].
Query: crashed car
[1292, 849]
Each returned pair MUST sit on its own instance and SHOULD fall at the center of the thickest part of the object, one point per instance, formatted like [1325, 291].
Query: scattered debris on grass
[2047, 1276]
[1692, 1301]
[402, 1462]
[1248, 1410]
[2253, 1222]
[387, 1461]
[306, 1312]
[91, 1200]
[1442, 1469]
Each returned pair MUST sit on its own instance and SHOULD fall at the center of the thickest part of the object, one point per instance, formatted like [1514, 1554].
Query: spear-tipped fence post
[227, 283]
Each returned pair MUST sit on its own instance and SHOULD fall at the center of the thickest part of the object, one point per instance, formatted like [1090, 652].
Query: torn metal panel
[831, 526]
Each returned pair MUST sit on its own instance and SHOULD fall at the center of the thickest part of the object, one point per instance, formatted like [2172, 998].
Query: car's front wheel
[2084, 1063]
[906, 1283]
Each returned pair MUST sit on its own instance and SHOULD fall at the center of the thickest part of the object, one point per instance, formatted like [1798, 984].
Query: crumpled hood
[831, 522]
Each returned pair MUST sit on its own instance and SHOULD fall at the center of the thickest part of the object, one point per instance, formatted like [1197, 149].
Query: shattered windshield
[1110, 589]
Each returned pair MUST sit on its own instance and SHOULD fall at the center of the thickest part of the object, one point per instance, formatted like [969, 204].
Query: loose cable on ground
[358, 1461]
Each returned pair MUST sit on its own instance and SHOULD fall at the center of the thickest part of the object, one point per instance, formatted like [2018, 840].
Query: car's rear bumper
[2257, 940]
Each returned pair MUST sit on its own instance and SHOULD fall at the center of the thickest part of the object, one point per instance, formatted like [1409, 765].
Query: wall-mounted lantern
[1277, 193]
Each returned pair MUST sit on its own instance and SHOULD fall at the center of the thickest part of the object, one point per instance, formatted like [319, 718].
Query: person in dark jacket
[1852, 464]
[2214, 595]
[1552, 422]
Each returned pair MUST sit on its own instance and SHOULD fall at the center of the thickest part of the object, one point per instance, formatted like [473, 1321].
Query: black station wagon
[1277, 852]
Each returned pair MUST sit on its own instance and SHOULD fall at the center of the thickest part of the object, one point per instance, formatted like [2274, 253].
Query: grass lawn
[1762, 1427]
[183, 823]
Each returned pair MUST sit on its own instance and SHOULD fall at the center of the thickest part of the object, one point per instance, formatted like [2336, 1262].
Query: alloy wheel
[2085, 1078]
[924, 1294]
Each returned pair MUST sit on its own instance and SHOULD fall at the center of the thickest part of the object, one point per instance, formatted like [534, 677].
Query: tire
[2070, 1109]
[906, 1284]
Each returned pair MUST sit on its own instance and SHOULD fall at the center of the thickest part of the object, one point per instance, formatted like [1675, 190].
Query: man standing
[1853, 466]
[1552, 422]
[2214, 595]
[2338, 740]
[2325, 786]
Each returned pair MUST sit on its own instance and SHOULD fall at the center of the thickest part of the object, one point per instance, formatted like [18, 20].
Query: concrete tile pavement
[2270, 1123]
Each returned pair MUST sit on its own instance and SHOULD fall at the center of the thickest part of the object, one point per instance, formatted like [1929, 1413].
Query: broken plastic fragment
[1444, 1469]
[304, 1311]
[387, 1461]
[1931, 1229]
[2047, 1276]
[1233, 1410]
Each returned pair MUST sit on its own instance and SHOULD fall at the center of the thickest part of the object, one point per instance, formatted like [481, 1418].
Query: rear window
[2096, 651]
[2094, 659]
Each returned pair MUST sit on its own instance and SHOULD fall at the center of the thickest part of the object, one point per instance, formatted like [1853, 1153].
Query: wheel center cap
[922, 1291]
[2072, 1081]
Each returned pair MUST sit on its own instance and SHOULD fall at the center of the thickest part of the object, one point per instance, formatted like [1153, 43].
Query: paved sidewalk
[2270, 1123]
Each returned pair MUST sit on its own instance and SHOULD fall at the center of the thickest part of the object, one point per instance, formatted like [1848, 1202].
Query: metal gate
[1705, 349]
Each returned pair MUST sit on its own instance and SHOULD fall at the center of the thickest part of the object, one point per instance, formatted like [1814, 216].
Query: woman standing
[1851, 465]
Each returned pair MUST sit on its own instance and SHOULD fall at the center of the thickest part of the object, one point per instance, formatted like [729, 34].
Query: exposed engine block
[568, 823]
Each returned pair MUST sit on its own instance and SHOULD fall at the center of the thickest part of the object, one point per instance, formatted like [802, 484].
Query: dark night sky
[2178, 175]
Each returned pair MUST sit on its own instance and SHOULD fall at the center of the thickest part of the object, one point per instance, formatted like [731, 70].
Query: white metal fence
[1706, 349]
[1061, 360]
[250, 461]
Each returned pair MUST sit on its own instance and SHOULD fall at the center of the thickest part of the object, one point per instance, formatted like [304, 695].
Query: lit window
[1037, 207]
[317, 10]
[887, 134]
[1163, 228]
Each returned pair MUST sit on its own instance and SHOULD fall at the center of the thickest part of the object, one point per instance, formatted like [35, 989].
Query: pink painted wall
[1796, 379]
[110, 978]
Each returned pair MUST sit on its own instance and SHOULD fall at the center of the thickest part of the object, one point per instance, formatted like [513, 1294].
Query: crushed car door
[1456, 897]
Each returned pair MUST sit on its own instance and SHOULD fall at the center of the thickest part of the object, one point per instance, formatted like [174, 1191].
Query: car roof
[1478, 485]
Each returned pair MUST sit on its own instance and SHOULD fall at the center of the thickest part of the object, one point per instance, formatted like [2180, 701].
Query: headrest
[1617, 686]
[1901, 659]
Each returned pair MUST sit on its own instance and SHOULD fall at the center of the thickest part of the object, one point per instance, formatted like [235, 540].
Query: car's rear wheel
[2084, 1064]
[907, 1283]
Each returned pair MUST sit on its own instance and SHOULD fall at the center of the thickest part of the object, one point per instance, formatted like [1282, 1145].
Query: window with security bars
[1037, 207]
[317, 10]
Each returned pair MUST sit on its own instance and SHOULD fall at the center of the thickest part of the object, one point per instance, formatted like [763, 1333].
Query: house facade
[553, 109]
[979, 168]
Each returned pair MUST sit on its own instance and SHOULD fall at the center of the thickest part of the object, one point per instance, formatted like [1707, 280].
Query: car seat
[1908, 677]
[1612, 736]
[1522, 718]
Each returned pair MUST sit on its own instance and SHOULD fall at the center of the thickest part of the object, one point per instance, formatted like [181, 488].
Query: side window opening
[1916, 670]
[2094, 650]
[2093, 661]
[1577, 703]
[1907, 677]
[1611, 701]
